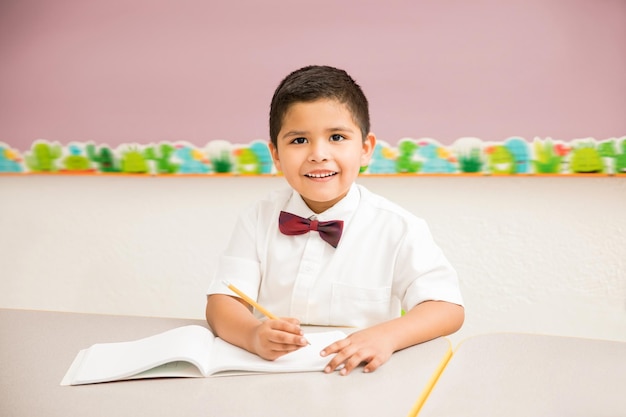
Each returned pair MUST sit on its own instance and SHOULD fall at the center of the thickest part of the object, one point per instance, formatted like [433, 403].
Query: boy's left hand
[369, 346]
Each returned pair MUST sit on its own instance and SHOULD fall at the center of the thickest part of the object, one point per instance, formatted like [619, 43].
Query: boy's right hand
[275, 338]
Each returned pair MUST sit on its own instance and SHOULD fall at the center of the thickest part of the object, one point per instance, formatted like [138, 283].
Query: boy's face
[320, 151]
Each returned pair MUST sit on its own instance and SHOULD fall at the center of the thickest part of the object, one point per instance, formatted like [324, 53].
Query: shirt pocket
[358, 306]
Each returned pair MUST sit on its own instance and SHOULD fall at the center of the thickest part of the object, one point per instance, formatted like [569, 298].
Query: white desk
[530, 376]
[36, 348]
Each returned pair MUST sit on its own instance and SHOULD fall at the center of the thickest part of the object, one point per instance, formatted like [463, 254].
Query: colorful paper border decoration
[467, 155]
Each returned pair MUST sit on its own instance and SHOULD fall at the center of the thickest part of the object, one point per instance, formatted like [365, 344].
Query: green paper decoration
[513, 156]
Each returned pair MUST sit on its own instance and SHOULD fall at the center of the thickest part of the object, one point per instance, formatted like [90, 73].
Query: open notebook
[188, 351]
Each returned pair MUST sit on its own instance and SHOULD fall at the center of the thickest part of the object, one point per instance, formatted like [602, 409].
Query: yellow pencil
[249, 300]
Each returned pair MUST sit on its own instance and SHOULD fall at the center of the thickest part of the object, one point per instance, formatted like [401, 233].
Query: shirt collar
[342, 210]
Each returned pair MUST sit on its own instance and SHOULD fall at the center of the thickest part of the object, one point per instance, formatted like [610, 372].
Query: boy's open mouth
[321, 175]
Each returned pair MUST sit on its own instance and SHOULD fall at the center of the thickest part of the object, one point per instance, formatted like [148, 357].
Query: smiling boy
[380, 258]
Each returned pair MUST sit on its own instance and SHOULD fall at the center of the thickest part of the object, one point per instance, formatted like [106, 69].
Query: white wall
[543, 255]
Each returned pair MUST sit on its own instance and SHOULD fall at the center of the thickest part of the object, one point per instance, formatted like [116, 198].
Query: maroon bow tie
[290, 224]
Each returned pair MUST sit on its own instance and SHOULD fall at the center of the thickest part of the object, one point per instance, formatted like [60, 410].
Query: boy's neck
[321, 207]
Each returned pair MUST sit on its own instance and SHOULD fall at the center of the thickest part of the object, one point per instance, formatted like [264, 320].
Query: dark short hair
[316, 82]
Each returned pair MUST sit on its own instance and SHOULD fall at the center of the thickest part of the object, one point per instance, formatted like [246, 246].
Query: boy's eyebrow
[305, 132]
[340, 129]
[294, 133]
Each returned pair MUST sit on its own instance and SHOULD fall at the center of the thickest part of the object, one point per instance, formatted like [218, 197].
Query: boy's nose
[319, 151]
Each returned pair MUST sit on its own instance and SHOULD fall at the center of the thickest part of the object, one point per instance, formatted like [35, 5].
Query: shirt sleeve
[422, 270]
[239, 264]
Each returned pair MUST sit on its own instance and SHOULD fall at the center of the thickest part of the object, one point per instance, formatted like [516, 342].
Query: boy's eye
[299, 140]
[336, 138]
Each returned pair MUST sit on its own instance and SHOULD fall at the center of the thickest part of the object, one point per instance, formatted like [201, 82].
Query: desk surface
[36, 349]
[531, 375]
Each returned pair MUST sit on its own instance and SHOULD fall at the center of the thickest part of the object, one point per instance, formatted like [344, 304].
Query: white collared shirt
[386, 260]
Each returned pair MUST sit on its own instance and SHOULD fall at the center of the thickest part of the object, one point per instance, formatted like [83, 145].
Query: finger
[275, 354]
[287, 325]
[340, 357]
[280, 337]
[335, 347]
[285, 348]
[290, 340]
[291, 320]
[373, 364]
[355, 360]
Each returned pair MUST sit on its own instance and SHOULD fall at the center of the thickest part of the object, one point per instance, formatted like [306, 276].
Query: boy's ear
[274, 152]
[368, 149]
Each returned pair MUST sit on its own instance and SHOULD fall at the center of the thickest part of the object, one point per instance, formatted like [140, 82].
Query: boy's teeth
[328, 174]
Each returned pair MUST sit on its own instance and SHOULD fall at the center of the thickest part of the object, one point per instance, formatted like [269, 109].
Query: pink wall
[119, 71]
